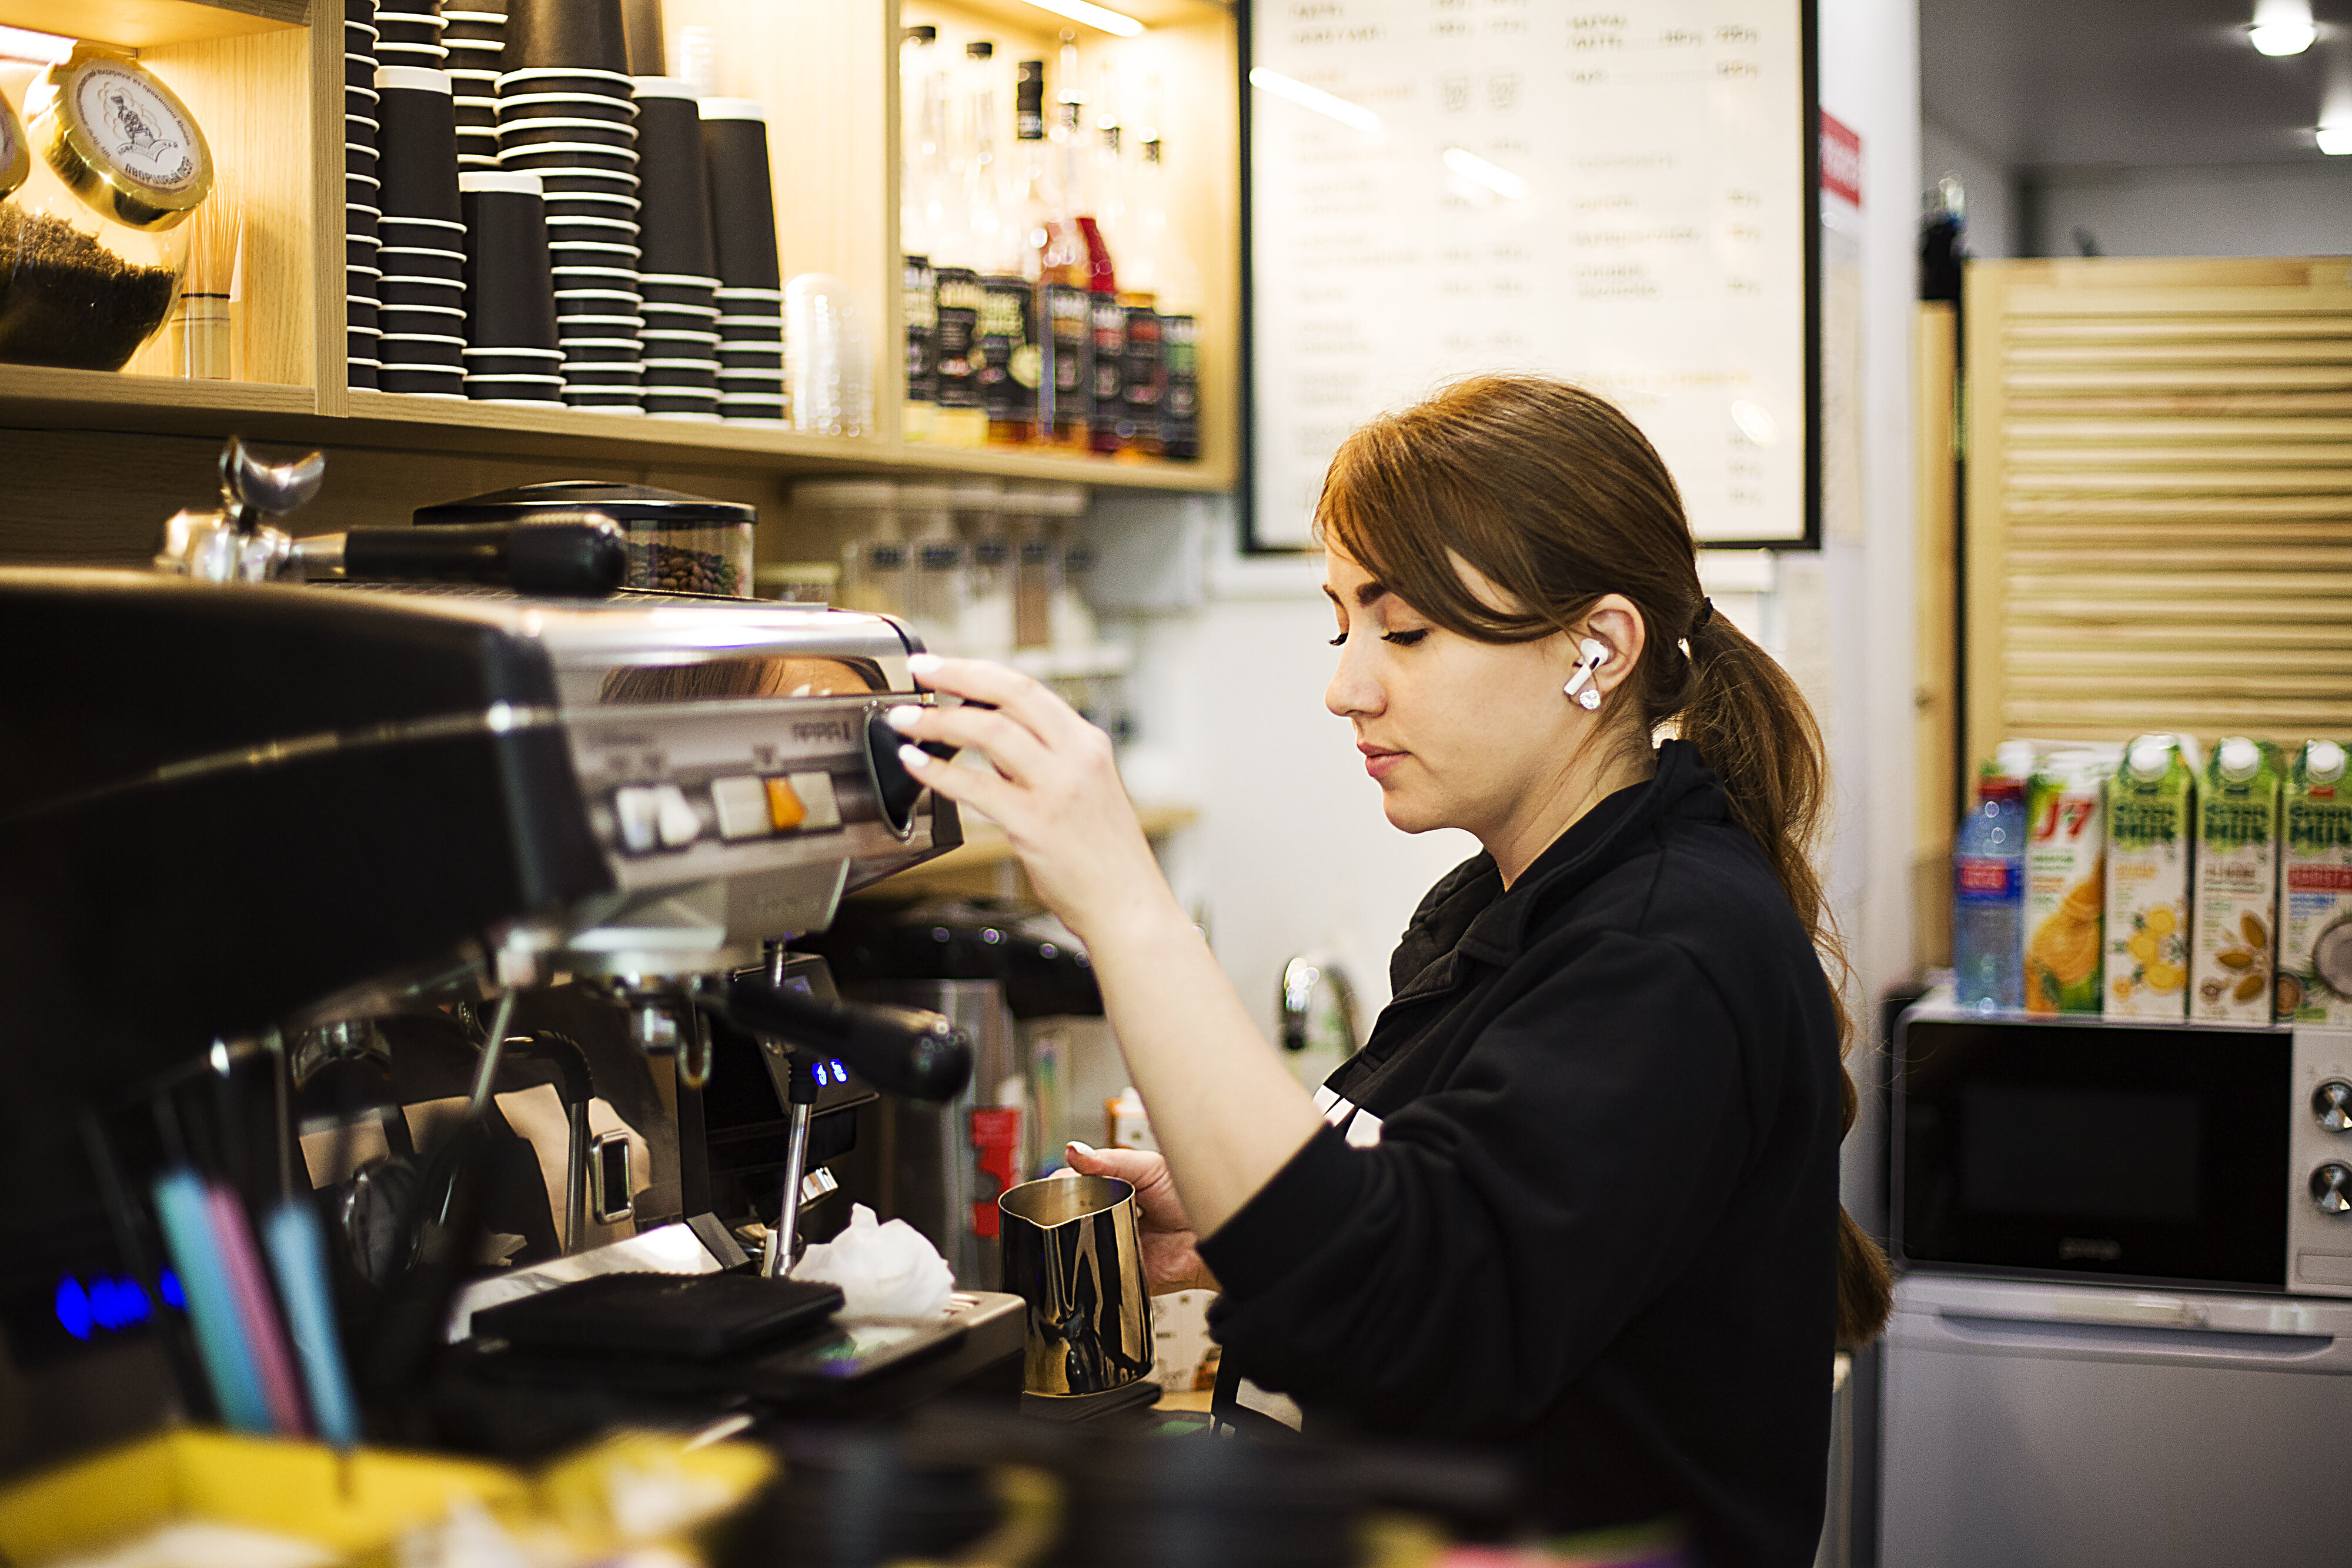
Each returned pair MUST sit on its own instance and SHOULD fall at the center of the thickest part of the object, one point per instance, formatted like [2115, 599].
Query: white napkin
[884, 1270]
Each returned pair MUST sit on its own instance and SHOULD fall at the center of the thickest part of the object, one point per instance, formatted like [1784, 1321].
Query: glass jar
[678, 543]
[93, 243]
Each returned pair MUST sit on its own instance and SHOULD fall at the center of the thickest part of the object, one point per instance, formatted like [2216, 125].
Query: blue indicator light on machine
[840, 1073]
[173, 1297]
[107, 1303]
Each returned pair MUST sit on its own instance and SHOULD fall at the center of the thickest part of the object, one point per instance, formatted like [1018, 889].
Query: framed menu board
[1623, 193]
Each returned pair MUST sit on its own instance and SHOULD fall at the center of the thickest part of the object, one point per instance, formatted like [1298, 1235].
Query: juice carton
[2151, 832]
[2230, 965]
[2315, 907]
[2065, 882]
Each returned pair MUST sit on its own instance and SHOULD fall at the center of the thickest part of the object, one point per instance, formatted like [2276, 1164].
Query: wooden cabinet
[264, 77]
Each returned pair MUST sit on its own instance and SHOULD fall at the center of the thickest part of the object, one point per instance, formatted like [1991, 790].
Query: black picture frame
[1245, 380]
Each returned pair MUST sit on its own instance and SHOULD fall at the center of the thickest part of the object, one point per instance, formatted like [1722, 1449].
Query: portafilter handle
[905, 1052]
[252, 489]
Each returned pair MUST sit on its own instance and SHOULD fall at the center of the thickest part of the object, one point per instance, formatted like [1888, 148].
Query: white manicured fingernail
[903, 719]
[1078, 1148]
[915, 757]
[924, 663]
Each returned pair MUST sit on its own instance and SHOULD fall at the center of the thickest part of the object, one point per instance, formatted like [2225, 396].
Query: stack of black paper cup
[565, 114]
[424, 252]
[751, 292]
[680, 268]
[475, 39]
[408, 32]
[512, 353]
[362, 200]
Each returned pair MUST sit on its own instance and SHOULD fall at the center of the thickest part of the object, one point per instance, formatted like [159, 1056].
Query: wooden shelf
[153, 23]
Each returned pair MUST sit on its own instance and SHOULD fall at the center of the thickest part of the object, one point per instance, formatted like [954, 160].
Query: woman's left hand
[1055, 789]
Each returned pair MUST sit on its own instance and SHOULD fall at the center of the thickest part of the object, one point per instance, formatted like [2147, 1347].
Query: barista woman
[1578, 1194]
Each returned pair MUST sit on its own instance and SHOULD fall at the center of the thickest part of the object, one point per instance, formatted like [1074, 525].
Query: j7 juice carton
[2237, 883]
[2065, 884]
[2149, 835]
[2315, 924]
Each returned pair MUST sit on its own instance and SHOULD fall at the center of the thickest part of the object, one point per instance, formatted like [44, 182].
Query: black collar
[1468, 915]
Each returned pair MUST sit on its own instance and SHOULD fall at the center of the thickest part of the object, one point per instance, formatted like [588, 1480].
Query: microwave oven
[2166, 1153]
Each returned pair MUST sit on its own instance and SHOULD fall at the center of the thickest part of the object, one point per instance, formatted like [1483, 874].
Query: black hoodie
[1598, 1225]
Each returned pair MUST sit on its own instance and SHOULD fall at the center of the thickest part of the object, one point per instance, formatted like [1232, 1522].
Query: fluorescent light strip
[1101, 17]
[1494, 177]
[2334, 140]
[1354, 116]
[2279, 39]
[39, 48]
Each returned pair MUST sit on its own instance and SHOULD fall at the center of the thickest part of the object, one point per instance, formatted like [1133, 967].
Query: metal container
[1071, 1251]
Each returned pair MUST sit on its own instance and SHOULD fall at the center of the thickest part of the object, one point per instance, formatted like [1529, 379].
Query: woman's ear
[1616, 625]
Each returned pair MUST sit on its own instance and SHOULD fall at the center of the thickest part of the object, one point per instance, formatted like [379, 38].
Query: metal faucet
[1305, 977]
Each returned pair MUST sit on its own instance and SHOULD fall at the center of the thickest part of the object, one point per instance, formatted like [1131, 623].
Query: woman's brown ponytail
[1556, 497]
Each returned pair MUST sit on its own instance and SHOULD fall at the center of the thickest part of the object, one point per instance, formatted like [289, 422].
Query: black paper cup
[516, 80]
[560, 156]
[360, 250]
[595, 231]
[432, 321]
[400, 28]
[550, 132]
[627, 403]
[601, 378]
[514, 389]
[562, 182]
[360, 38]
[359, 343]
[664, 342]
[361, 158]
[360, 97]
[591, 205]
[418, 143]
[514, 361]
[510, 292]
[597, 302]
[742, 203]
[662, 322]
[523, 100]
[359, 71]
[752, 361]
[365, 129]
[676, 403]
[422, 380]
[676, 288]
[398, 288]
[616, 353]
[548, 35]
[677, 190]
[477, 114]
[418, 56]
[360, 11]
[361, 313]
[359, 373]
[479, 23]
[422, 347]
[362, 276]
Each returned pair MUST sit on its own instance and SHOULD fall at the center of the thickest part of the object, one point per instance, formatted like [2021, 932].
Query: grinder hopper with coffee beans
[678, 543]
[96, 183]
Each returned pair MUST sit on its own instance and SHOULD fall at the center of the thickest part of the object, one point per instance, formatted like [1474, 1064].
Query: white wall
[1993, 208]
[2289, 209]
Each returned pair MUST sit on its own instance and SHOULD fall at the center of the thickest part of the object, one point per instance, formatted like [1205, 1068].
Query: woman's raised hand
[1172, 1255]
[1055, 789]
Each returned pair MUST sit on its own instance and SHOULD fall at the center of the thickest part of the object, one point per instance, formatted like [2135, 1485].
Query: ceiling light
[1494, 177]
[1101, 17]
[1355, 116]
[2335, 141]
[2282, 26]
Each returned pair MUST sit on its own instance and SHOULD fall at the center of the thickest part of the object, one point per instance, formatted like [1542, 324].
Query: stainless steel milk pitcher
[1071, 1251]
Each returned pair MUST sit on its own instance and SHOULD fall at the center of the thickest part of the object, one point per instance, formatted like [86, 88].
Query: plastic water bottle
[1989, 897]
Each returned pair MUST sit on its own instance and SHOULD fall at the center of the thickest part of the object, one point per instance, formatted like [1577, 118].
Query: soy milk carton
[2237, 883]
[2151, 832]
[2065, 882]
[2315, 908]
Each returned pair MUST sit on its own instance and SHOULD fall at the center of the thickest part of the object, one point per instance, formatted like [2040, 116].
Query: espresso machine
[300, 790]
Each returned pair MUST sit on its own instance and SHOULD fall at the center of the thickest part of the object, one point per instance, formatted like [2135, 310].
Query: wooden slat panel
[2160, 492]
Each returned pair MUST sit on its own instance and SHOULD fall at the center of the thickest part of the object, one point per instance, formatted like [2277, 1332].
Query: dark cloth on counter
[1600, 1224]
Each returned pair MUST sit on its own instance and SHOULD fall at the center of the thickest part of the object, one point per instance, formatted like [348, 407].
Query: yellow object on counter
[303, 1491]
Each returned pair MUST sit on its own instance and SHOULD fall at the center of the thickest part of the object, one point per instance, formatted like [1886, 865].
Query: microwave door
[2128, 1152]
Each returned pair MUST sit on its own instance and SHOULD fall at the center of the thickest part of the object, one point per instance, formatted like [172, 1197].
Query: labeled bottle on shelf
[1102, 211]
[1072, 261]
[1012, 360]
[966, 251]
[1989, 897]
[922, 213]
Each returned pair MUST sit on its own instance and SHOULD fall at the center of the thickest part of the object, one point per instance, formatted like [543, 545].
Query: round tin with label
[121, 140]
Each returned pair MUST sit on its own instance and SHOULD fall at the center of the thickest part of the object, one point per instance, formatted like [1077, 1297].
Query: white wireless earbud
[1591, 655]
